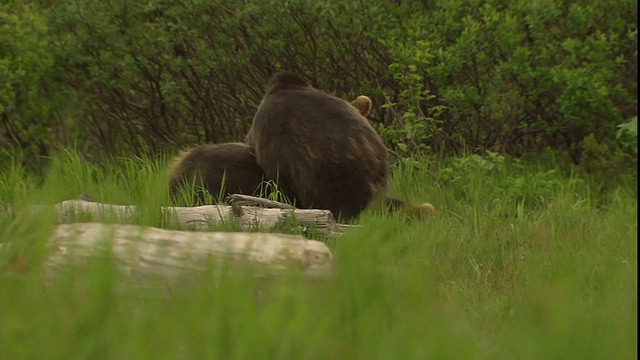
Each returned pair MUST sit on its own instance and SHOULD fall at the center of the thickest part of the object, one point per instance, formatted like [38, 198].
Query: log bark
[266, 216]
[170, 253]
[202, 218]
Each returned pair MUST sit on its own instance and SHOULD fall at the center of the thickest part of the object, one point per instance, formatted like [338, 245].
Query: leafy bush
[606, 166]
[627, 136]
[511, 183]
[445, 76]
[34, 101]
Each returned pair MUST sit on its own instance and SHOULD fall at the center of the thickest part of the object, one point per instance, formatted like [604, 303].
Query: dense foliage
[525, 259]
[144, 77]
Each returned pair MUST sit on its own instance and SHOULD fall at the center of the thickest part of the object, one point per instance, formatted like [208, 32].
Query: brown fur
[318, 147]
[235, 163]
[395, 205]
[363, 104]
[208, 165]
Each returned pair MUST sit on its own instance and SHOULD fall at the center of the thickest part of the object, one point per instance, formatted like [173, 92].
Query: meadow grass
[522, 261]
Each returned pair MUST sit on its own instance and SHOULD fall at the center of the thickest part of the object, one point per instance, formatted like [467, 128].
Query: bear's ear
[363, 104]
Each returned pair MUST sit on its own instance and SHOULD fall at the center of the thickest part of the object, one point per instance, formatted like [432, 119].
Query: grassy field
[523, 261]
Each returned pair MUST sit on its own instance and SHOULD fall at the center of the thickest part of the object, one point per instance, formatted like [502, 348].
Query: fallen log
[202, 218]
[170, 253]
[267, 215]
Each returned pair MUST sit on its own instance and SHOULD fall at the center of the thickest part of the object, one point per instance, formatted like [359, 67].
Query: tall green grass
[522, 261]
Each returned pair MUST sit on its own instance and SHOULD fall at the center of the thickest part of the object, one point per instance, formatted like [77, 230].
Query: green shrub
[445, 76]
[34, 101]
[605, 166]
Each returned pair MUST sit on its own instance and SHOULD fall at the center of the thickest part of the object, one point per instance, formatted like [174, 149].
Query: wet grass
[522, 261]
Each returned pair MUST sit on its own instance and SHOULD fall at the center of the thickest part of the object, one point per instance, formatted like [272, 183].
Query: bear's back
[308, 117]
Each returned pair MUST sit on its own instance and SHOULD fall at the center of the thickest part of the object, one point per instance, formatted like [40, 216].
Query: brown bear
[413, 210]
[233, 167]
[318, 147]
[229, 166]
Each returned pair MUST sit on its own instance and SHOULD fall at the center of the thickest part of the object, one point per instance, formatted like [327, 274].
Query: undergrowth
[523, 261]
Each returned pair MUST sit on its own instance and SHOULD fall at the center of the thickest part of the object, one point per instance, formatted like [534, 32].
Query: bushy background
[516, 119]
[146, 77]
